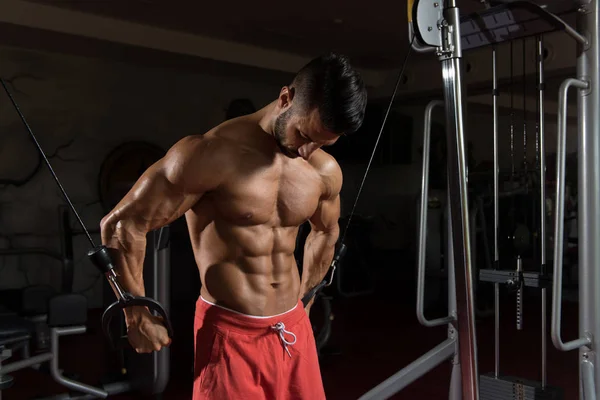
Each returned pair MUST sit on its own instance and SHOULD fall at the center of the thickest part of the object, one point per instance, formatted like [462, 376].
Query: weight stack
[509, 387]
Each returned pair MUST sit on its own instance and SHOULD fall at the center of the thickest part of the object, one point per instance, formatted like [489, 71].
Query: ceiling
[373, 34]
[185, 35]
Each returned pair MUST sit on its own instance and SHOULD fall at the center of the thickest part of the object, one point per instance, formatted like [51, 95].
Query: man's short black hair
[332, 85]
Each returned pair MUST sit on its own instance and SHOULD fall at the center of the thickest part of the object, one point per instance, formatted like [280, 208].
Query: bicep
[326, 217]
[152, 202]
[327, 214]
[169, 188]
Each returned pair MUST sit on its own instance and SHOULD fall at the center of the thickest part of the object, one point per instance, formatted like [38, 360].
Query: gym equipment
[31, 302]
[99, 255]
[448, 348]
[154, 378]
[355, 278]
[439, 28]
[516, 280]
[588, 87]
[67, 315]
[434, 254]
[341, 246]
[147, 373]
[339, 254]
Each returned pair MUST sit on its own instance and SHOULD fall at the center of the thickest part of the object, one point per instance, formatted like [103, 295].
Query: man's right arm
[163, 193]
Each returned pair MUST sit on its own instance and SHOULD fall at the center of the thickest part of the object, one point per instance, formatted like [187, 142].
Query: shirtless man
[245, 187]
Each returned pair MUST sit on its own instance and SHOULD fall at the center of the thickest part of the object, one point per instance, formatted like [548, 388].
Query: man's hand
[146, 332]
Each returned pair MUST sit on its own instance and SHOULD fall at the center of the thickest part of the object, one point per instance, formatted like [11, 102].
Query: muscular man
[245, 187]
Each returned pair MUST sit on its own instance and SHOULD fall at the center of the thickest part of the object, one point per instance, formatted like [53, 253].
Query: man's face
[299, 133]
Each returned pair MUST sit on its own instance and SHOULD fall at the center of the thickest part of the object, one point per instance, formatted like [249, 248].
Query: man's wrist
[309, 304]
[135, 314]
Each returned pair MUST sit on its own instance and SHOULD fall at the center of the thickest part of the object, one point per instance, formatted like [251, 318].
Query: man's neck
[266, 117]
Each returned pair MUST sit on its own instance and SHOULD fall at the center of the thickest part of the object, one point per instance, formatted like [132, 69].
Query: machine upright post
[542, 167]
[452, 71]
[496, 188]
[455, 377]
[588, 64]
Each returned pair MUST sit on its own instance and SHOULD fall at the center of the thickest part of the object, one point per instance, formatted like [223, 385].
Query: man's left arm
[319, 248]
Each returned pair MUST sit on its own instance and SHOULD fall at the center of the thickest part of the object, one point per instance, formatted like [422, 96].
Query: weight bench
[67, 315]
[15, 334]
[30, 303]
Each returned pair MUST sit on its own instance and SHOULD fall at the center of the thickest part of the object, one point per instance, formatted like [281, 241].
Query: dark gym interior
[105, 104]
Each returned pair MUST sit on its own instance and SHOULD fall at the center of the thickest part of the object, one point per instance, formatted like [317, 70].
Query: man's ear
[286, 96]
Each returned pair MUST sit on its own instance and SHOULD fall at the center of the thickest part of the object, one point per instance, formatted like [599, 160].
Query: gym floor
[376, 336]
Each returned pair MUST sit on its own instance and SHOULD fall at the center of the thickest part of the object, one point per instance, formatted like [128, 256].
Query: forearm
[127, 246]
[318, 254]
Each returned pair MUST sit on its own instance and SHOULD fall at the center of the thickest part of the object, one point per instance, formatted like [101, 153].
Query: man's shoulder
[191, 146]
[222, 138]
[239, 134]
[329, 170]
[197, 163]
[325, 164]
[195, 153]
[224, 143]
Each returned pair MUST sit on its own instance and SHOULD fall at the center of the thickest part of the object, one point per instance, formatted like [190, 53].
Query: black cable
[378, 138]
[16, 106]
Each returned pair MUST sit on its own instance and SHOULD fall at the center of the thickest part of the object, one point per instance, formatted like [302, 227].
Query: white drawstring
[280, 327]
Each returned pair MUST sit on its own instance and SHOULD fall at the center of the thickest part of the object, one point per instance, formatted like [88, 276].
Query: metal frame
[587, 84]
[495, 95]
[146, 373]
[449, 348]
[55, 371]
[543, 238]
[461, 342]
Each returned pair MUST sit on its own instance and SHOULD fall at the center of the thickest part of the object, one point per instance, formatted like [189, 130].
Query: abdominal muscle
[250, 269]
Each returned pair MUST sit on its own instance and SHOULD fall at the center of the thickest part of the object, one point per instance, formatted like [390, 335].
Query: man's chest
[279, 195]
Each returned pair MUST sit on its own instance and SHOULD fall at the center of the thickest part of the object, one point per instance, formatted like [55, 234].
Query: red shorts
[238, 356]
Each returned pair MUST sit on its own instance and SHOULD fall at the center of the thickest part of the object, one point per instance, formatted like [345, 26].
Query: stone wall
[80, 109]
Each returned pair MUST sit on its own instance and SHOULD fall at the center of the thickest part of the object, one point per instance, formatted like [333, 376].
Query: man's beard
[279, 134]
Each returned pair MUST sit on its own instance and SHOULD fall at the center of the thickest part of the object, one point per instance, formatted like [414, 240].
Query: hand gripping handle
[131, 301]
[337, 257]
[100, 257]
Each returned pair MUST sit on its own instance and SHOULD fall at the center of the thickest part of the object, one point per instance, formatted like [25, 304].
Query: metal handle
[130, 301]
[423, 222]
[559, 218]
